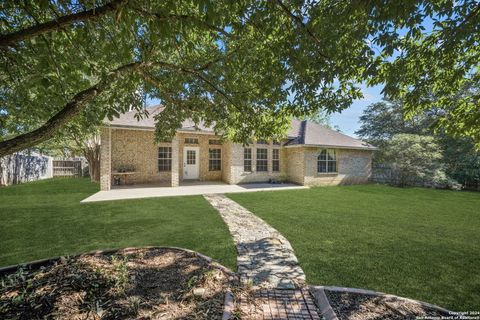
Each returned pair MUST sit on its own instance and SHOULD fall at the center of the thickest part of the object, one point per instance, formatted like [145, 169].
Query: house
[310, 155]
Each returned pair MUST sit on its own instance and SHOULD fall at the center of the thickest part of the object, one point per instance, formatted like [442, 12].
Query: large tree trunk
[69, 111]
[11, 39]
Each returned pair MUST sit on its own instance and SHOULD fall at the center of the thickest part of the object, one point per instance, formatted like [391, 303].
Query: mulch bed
[148, 283]
[356, 306]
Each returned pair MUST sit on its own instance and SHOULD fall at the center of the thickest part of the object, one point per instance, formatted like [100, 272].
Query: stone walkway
[267, 261]
[265, 258]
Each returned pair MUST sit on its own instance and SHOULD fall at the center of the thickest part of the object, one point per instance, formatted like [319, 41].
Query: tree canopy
[384, 120]
[244, 66]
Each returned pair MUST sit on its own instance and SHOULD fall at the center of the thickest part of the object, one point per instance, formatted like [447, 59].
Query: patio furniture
[123, 175]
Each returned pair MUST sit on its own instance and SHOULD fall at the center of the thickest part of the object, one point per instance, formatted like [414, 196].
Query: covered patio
[184, 189]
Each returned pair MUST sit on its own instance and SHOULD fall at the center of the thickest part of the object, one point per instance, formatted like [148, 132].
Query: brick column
[175, 164]
[105, 159]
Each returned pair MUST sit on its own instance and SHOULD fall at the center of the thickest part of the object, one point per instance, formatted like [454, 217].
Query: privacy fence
[31, 166]
[23, 167]
[68, 167]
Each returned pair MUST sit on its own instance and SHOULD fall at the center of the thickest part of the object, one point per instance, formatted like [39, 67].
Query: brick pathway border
[326, 310]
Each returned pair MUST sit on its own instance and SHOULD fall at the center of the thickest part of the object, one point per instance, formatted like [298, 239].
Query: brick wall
[295, 164]
[203, 143]
[353, 166]
[236, 173]
[105, 159]
[137, 148]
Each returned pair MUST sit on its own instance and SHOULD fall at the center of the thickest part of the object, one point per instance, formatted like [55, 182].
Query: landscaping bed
[158, 283]
[358, 306]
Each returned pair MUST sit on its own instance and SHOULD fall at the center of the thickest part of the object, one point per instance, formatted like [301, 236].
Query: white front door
[190, 162]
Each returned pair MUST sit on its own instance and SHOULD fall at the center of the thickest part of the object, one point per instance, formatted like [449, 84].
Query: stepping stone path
[266, 260]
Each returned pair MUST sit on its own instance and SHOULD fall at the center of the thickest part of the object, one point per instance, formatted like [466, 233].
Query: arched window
[327, 161]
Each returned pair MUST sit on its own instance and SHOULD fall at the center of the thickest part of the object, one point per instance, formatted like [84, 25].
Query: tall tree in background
[243, 66]
[414, 159]
[382, 121]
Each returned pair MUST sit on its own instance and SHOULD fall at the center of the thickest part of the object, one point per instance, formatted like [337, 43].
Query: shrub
[414, 160]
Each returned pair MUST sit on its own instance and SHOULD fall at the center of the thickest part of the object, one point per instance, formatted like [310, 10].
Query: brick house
[310, 155]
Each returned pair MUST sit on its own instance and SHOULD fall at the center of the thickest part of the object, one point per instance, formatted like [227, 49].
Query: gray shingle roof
[128, 120]
[300, 132]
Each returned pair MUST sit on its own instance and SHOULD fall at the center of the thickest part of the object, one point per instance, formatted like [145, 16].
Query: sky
[348, 119]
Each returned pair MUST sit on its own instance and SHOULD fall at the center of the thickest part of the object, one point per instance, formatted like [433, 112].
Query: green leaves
[245, 66]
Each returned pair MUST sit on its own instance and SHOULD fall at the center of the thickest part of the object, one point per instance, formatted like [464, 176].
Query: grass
[45, 218]
[418, 243]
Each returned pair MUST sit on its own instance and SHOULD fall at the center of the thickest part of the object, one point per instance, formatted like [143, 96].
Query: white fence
[24, 167]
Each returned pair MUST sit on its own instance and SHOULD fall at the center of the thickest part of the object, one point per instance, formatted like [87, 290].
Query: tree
[244, 67]
[413, 159]
[319, 117]
[80, 137]
[381, 121]
[462, 161]
[435, 63]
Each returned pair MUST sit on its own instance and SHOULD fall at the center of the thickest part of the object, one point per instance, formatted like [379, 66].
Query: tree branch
[181, 17]
[196, 73]
[69, 111]
[8, 40]
[299, 21]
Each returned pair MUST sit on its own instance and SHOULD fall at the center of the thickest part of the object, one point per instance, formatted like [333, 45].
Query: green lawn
[419, 243]
[45, 218]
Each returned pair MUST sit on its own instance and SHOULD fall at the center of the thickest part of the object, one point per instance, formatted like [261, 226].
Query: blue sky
[348, 119]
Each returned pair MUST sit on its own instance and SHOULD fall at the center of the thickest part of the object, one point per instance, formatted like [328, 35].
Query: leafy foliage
[434, 65]
[381, 121]
[244, 67]
[414, 158]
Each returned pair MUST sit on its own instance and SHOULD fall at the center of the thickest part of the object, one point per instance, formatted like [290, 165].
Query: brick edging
[318, 293]
[378, 294]
[42, 262]
[228, 306]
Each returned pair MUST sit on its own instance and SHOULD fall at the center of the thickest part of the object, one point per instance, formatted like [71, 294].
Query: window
[214, 159]
[327, 161]
[191, 140]
[262, 161]
[191, 156]
[275, 160]
[214, 141]
[164, 159]
[247, 159]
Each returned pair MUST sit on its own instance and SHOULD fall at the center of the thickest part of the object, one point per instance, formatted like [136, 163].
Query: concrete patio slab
[185, 189]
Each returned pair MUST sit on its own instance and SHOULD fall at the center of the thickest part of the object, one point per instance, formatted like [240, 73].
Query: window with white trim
[164, 159]
[247, 159]
[275, 160]
[262, 160]
[214, 159]
[215, 141]
[191, 140]
[327, 161]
